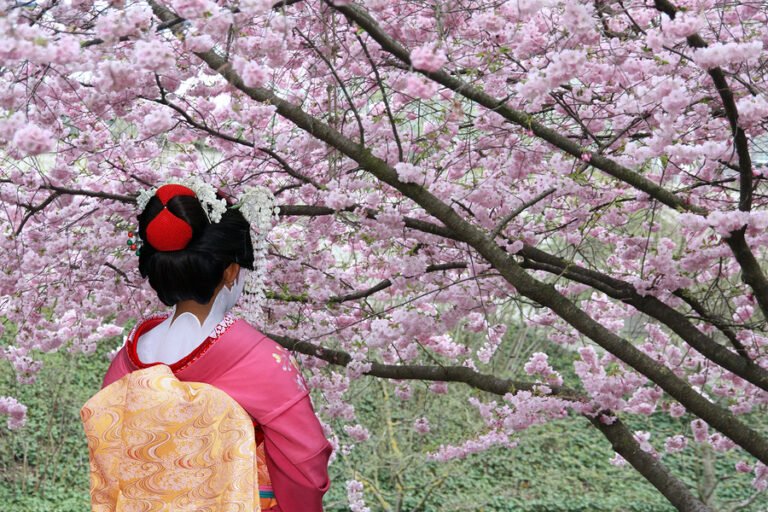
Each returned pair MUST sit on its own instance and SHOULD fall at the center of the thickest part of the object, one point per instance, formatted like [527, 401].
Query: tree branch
[731, 112]
[338, 80]
[237, 140]
[625, 444]
[466, 375]
[90, 193]
[361, 294]
[32, 210]
[517, 211]
[707, 316]
[751, 273]
[380, 82]
[751, 270]
[653, 307]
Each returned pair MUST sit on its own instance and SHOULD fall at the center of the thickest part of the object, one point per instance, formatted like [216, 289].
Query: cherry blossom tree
[590, 168]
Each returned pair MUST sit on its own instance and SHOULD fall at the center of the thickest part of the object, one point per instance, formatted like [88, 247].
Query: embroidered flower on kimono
[289, 364]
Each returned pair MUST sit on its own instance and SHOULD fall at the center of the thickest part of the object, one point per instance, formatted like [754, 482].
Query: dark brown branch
[90, 193]
[32, 210]
[172, 23]
[431, 228]
[731, 112]
[304, 210]
[651, 468]
[237, 140]
[362, 294]
[653, 307]
[517, 211]
[621, 439]
[339, 81]
[718, 417]
[289, 168]
[98, 40]
[473, 378]
[707, 316]
[118, 271]
[751, 273]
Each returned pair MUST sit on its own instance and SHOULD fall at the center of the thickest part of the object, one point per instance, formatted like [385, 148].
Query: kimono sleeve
[272, 390]
[118, 368]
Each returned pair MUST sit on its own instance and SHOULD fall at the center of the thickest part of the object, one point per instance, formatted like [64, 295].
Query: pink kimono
[258, 374]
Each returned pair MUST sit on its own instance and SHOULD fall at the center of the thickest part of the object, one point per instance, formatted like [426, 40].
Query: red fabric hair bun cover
[167, 232]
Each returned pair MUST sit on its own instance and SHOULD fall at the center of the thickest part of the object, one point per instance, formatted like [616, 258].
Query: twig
[517, 211]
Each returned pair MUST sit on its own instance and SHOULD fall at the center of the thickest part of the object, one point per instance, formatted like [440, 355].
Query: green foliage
[44, 466]
[561, 466]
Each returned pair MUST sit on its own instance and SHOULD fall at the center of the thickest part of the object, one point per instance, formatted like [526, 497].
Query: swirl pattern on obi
[160, 444]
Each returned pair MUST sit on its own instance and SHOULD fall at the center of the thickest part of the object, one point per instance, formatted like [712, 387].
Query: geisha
[199, 410]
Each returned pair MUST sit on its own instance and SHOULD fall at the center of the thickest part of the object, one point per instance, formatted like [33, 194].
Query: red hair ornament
[167, 232]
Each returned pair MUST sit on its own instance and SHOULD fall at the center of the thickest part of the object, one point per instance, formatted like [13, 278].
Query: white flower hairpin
[213, 206]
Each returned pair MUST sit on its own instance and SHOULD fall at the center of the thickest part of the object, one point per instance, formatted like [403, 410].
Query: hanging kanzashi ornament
[257, 204]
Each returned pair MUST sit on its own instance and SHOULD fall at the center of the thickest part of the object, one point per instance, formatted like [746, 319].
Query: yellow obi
[159, 444]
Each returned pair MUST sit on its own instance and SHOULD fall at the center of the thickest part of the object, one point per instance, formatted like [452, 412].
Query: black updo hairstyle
[195, 271]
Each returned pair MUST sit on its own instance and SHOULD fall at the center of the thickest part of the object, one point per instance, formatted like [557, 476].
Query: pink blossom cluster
[523, 410]
[421, 425]
[726, 54]
[253, 73]
[16, 412]
[675, 444]
[355, 490]
[481, 443]
[429, 57]
[357, 432]
[33, 140]
[607, 390]
[153, 56]
[538, 365]
[760, 481]
[158, 120]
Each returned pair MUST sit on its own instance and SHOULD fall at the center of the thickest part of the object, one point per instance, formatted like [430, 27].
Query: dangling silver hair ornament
[257, 204]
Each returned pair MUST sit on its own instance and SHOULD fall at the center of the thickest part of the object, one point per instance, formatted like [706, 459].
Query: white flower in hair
[213, 206]
[257, 204]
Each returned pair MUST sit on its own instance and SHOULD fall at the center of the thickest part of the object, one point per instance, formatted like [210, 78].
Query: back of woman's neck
[201, 311]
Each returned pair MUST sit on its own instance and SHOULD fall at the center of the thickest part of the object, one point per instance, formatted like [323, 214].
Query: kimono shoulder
[253, 369]
[256, 371]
